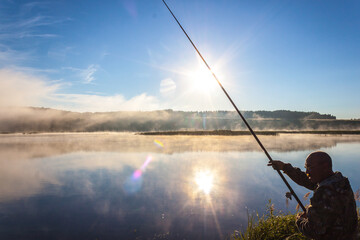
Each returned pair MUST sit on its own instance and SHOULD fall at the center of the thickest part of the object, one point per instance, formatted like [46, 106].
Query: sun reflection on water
[204, 181]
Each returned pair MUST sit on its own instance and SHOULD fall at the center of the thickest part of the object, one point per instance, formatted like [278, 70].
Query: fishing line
[237, 110]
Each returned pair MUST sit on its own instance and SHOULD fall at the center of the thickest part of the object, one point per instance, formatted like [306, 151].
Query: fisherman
[332, 210]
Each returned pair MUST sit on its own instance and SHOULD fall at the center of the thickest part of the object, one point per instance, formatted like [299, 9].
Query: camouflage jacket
[332, 210]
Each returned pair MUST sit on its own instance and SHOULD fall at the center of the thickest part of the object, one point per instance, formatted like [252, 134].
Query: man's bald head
[321, 158]
[318, 166]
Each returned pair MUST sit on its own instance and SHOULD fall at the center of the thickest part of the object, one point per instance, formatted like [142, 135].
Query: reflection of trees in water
[42, 145]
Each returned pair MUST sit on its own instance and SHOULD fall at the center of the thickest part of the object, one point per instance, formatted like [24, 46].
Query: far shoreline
[201, 132]
[262, 132]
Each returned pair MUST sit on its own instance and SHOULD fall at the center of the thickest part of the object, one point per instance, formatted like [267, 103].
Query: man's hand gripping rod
[237, 110]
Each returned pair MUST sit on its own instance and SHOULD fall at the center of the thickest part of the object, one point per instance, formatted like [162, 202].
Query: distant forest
[31, 119]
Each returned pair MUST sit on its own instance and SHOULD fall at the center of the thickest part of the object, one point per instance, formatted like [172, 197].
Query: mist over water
[111, 185]
[41, 120]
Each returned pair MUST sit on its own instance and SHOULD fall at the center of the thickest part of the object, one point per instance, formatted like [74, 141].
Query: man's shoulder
[333, 190]
[333, 208]
[336, 181]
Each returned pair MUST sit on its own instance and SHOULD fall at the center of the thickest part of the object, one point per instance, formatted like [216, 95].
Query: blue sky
[131, 55]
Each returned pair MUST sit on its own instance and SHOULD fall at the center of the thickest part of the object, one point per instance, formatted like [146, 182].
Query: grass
[272, 226]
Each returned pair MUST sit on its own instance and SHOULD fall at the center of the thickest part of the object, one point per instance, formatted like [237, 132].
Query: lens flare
[158, 143]
[133, 183]
[137, 174]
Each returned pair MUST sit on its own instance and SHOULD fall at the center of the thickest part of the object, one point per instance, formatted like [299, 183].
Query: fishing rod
[237, 110]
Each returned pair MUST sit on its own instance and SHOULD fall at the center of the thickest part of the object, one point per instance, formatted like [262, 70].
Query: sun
[204, 180]
[201, 80]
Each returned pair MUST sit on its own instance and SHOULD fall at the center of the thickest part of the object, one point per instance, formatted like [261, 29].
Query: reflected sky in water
[125, 186]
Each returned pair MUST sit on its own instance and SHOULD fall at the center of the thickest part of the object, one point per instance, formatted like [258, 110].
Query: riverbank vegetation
[273, 225]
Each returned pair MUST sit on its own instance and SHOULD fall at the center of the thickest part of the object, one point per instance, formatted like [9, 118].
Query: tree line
[50, 120]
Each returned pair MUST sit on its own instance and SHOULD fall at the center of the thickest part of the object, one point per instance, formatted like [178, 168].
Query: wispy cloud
[167, 87]
[21, 28]
[85, 74]
[30, 70]
[20, 24]
[9, 56]
[88, 73]
[60, 52]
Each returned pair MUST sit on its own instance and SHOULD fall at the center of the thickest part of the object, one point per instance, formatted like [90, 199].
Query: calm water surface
[126, 186]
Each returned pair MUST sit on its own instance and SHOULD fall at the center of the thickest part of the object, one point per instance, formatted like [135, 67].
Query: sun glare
[204, 180]
[201, 80]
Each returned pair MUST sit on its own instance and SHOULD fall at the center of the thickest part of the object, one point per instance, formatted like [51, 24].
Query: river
[128, 186]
